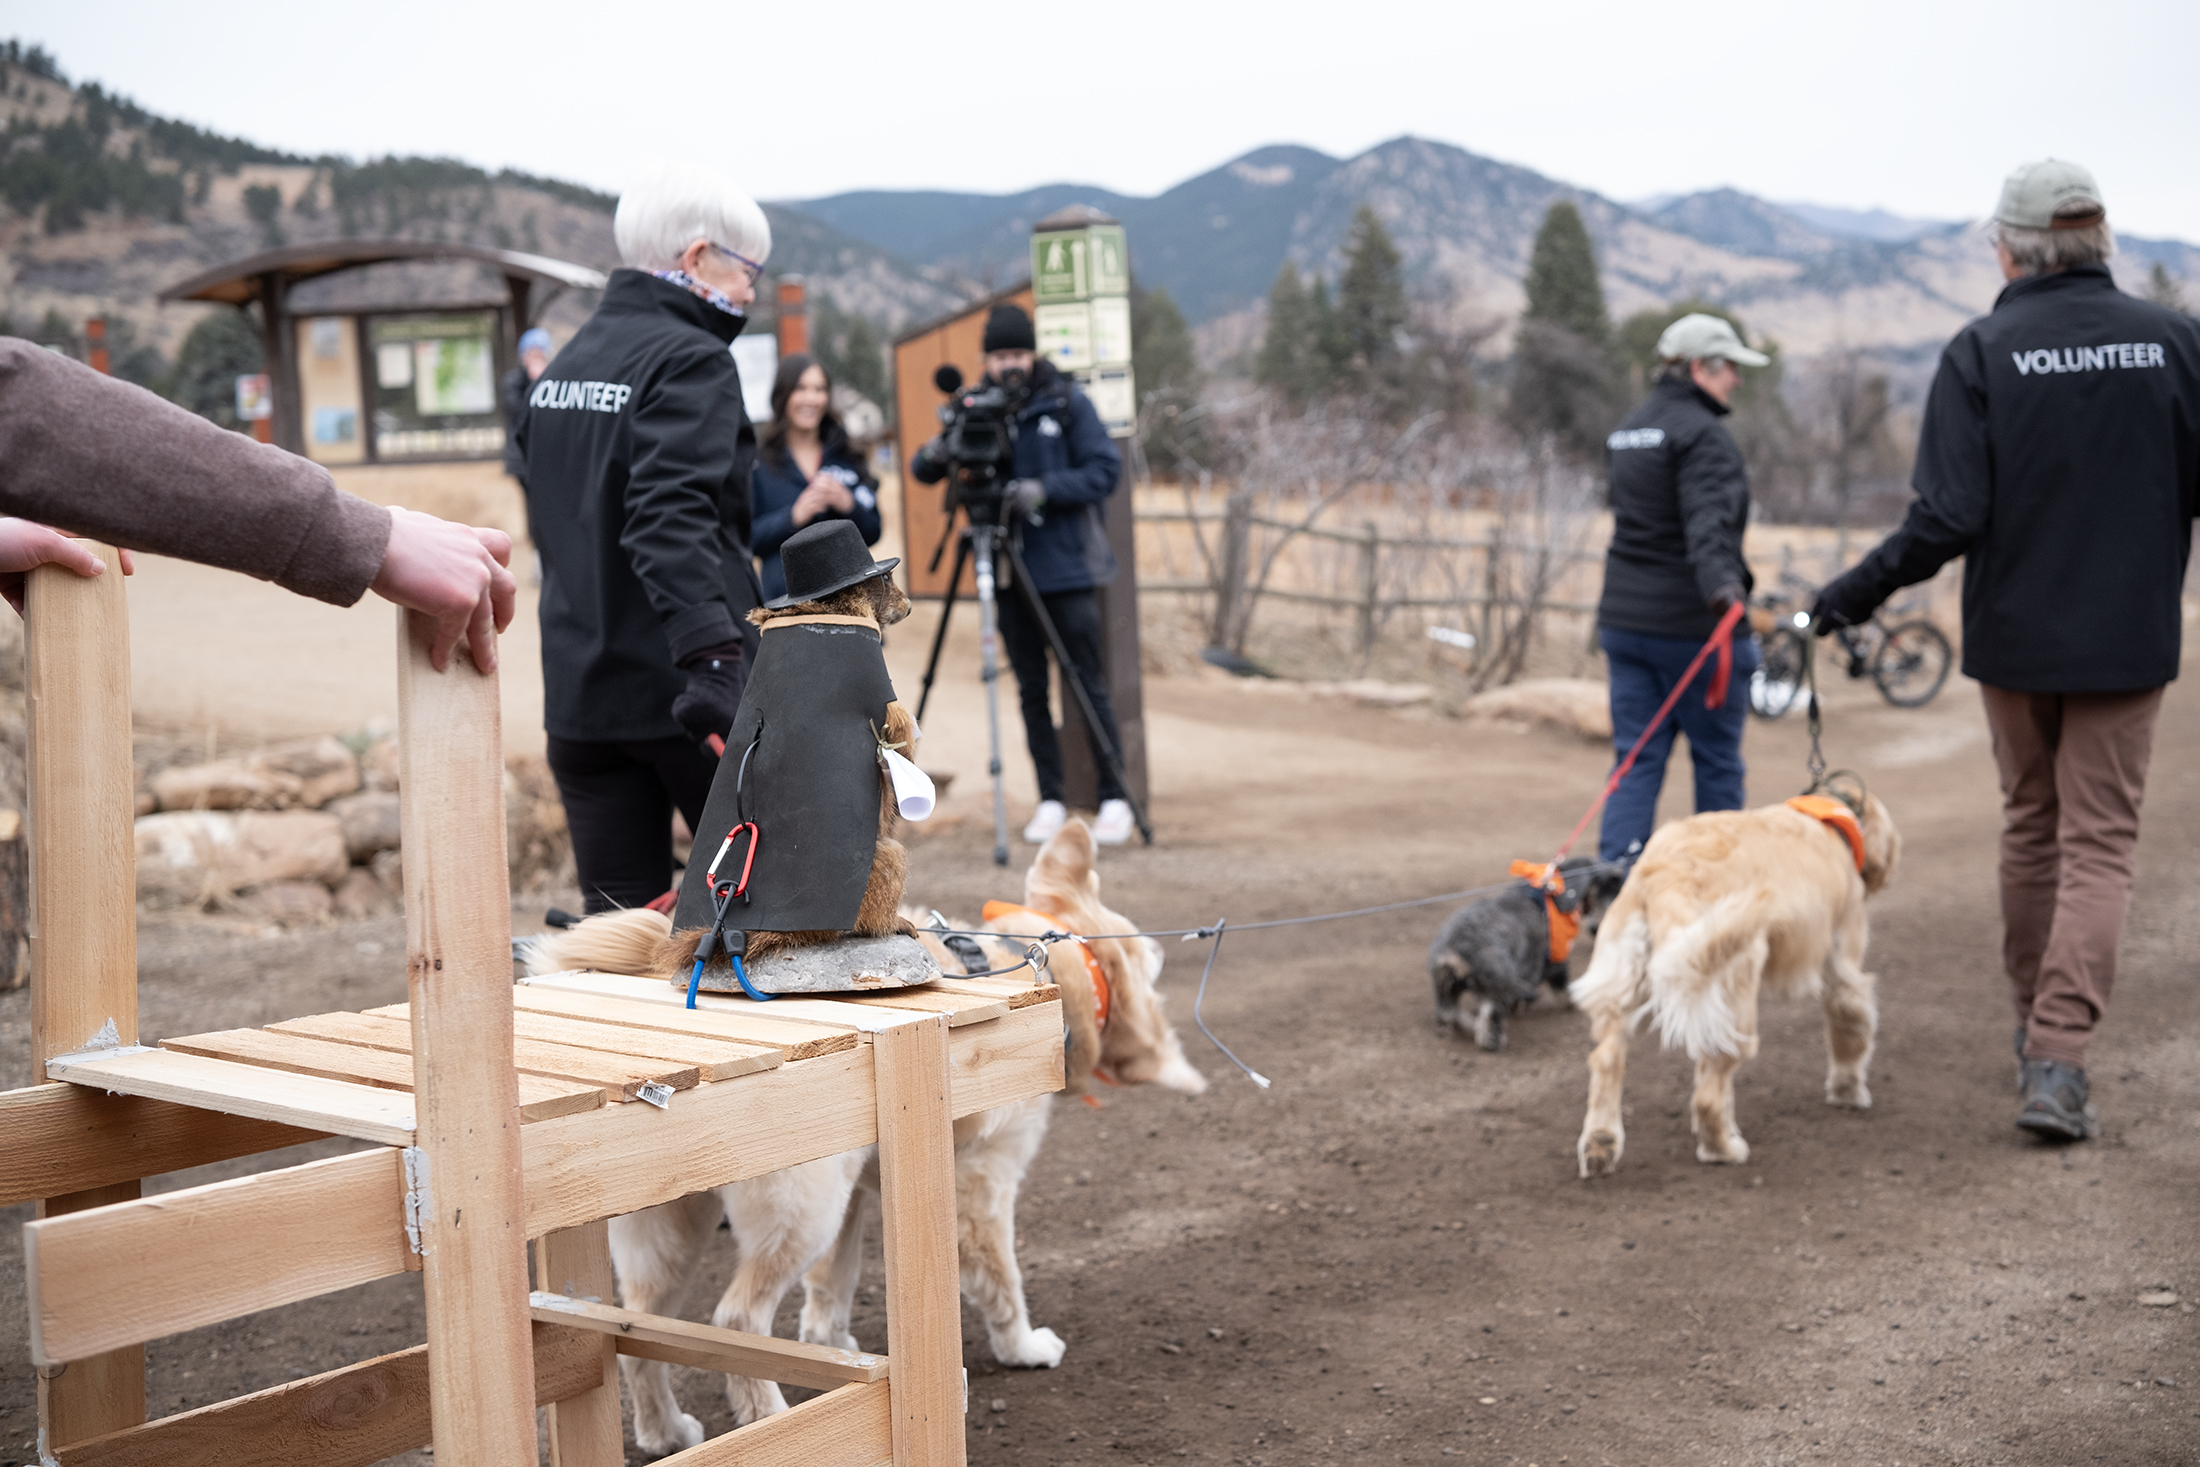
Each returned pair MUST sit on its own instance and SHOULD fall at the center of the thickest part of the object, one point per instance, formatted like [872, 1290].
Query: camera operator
[637, 455]
[1064, 470]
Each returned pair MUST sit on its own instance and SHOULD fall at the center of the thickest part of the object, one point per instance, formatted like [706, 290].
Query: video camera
[977, 446]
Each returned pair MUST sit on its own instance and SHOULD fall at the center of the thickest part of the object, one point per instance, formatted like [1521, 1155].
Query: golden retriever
[1720, 908]
[810, 1221]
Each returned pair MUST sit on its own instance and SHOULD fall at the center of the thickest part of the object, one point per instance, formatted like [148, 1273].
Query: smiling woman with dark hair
[807, 470]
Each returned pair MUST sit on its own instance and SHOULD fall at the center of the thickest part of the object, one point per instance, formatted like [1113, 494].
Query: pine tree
[1161, 345]
[220, 349]
[1371, 304]
[1562, 277]
[1289, 342]
[2163, 289]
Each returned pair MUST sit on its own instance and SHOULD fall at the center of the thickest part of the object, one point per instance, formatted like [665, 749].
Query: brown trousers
[2073, 771]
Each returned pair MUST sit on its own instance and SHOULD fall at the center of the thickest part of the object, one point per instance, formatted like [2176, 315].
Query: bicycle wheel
[1779, 674]
[1912, 664]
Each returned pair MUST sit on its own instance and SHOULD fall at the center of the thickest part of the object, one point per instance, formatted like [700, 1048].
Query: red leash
[1714, 697]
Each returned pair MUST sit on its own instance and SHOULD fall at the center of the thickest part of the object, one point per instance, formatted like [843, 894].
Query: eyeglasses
[756, 271]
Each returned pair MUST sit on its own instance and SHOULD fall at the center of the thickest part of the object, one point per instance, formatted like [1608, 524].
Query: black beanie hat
[1009, 329]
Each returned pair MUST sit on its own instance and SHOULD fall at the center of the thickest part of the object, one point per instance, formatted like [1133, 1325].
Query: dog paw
[753, 1400]
[1035, 1349]
[1599, 1152]
[684, 1432]
[1848, 1090]
[1733, 1151]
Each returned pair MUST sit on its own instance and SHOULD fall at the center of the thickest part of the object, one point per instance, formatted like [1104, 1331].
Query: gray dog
[1494, 956]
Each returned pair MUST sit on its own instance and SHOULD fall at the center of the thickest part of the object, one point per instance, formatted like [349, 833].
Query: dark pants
[1076, 617]
[2073, 770]
[619, 798]
[1643, 670]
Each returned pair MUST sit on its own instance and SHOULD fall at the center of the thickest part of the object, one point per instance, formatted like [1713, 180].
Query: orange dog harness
[1101, 995]
[1836, 816]
[1565, 926]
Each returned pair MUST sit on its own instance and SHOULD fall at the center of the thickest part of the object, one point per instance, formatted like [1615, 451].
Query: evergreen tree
[220, 349]
[1562, 277]
[1290, 339]
[264, 202]
[1371, 304]
[1564, 383]
[1328, 356]
[2163, 289]
[1161, 346]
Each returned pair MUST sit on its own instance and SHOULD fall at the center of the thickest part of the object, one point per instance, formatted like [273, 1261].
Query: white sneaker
[1050, 817]
[1113, 825]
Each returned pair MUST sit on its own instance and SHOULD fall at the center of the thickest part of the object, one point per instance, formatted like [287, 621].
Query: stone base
[851, 965]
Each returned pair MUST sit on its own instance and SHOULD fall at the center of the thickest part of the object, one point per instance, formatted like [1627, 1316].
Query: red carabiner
[748, 862]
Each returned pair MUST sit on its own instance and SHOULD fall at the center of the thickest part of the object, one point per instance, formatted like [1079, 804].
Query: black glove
[1025, 497]
[1726, 596]
[713, 692]
[1840, 604]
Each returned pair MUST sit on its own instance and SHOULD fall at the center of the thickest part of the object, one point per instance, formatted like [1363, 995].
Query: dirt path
[1387, 1255]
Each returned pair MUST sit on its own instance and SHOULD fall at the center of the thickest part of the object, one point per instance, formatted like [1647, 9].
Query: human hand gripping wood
[455, 573]
[26, 545]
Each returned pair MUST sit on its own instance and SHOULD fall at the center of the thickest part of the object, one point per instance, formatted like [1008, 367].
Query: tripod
[982, 541]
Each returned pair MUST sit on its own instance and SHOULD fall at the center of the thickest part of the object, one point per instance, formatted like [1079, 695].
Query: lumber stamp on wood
[852, 965]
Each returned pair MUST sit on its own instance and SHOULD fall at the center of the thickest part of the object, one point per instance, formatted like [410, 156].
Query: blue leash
[740, 973]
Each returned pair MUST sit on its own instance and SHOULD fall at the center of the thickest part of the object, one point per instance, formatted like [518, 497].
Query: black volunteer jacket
[1680, 501]
[2060, 455]
[1060, 442]
[637, 456]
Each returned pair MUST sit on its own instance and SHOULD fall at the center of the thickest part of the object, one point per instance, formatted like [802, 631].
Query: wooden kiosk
[494, 1116]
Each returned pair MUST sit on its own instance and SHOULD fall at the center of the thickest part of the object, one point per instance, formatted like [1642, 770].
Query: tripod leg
[947, 613]
[989, 668]
[1076, 684]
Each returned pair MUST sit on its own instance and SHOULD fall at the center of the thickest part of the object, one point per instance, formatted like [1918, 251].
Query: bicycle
[1908, 661]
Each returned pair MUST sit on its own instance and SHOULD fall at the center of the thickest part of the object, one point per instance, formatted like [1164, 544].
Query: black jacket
[1680, 500]
[2060, 455]
[779, 482]
[1059, 441]
[637, 455]
[512, 390]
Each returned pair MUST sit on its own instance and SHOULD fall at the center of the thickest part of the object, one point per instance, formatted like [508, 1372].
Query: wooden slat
[83, 900]
[835, 1011]
[352, 1417]
[795, 1041]
[458, 962]
[850, 1427]
[1015, 992]
[137, 1271]
[967, 1008]
[734, 1352]
[305, 1101]
[714, 1059]
[64, 1138]
[916, 1168]
[539, 1099]
[584, 1429]
[619, 1079]
[269, 1232]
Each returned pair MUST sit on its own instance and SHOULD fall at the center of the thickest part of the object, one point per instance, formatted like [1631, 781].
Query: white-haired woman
[637, 456]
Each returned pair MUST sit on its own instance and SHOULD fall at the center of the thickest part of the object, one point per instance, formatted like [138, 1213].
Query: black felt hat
[825, 557]
[1009, 329]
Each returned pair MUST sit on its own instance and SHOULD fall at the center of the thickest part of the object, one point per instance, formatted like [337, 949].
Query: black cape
[811, 784]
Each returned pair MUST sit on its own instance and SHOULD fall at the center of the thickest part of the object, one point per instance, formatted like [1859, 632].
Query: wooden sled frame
[458, 1186]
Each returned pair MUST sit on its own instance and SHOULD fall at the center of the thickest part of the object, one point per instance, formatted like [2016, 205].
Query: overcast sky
[1920, 109]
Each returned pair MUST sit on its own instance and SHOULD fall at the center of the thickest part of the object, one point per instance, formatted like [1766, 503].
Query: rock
[370, 821]
[2159, 1298]
[389, 869]
[223, 784]
[1569, 705]
[146, 804]
[289, 903]
[323, 768]
[202, 855]
[379, 763]
[1374, 693]
[538, 848]
[359, 895]
[854, 964]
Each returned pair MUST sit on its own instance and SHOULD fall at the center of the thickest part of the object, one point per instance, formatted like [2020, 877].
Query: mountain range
[110, 204]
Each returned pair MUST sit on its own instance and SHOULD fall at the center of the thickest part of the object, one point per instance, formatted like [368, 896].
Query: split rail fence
[496, 1115]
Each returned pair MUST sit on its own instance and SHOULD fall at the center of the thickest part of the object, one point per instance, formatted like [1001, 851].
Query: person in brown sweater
[115, 463]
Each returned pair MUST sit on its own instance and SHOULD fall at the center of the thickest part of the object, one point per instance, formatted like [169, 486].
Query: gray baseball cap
[1698, 334]
[2032, 197]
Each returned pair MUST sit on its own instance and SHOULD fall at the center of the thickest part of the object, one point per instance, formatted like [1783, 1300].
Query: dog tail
[1619, 965]
[624, 941]
[1696, 972]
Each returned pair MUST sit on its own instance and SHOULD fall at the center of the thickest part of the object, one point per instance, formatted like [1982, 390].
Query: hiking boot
[1048, 819]
[1114, 824]
[2055, 1105]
